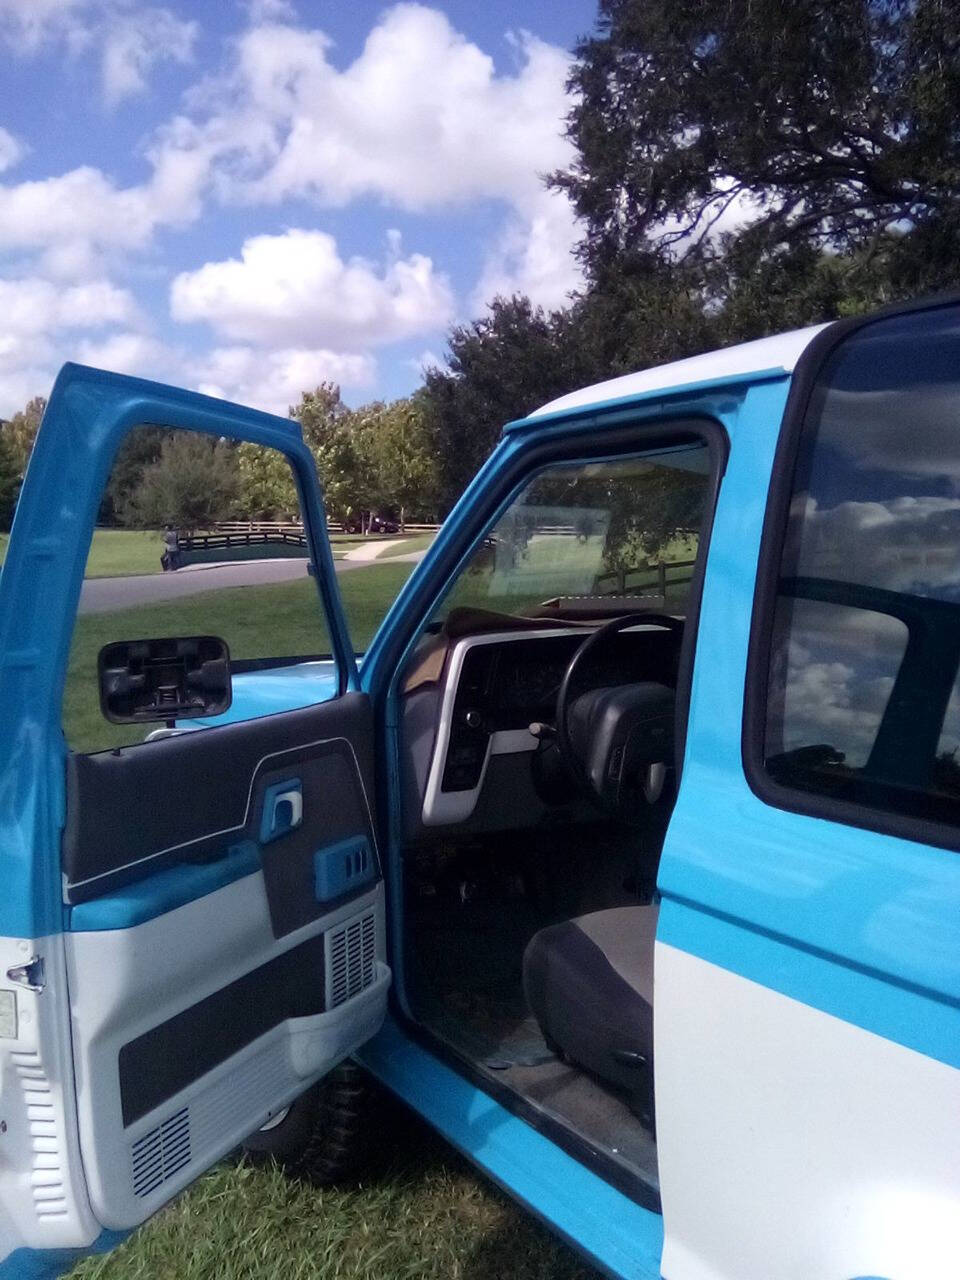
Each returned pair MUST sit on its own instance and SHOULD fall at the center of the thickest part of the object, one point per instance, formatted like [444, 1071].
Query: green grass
[411, 542]
[423, 1214]
[116, 553]
[278, 620]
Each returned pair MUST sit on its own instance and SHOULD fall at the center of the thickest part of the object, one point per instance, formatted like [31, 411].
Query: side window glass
[863, 699]
[199, 535]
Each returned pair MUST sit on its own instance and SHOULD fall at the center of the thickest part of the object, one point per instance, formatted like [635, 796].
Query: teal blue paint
[87, 417]
[267, 692]
[47, 1264]
[858, 924]
[917, 1019]
[164, 891]
[615, 1233]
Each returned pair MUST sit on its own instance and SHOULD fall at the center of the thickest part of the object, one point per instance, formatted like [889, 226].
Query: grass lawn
[424, 1215]
[115, 553]
[278, 620]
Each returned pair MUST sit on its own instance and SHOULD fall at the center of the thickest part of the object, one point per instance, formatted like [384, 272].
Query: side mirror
[170, 679]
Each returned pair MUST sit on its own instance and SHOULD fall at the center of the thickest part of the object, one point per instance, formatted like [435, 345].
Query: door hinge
[29, 975]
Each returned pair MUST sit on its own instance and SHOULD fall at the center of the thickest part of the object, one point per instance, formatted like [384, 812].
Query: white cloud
[273, 380]
[420, 117]
[34, 306]
[135, 42]
[295, 287]
[27, 24]
[534, 255]
[901, 544]
[131, 38]
[420, 120]
[11, 151]
[78, 216]
[127, 352]
[43, 324]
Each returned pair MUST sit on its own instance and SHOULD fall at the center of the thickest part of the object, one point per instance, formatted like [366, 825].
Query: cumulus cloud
[533, 254]
[135, 353]
[42, 325]
[130, 38]
[295, 286]
[82, 214]
[33, 306]
[420, 117]
[420, 120]
[11, 151]
[273, 380]
[834, 669]
[135, 42]
[901, 544]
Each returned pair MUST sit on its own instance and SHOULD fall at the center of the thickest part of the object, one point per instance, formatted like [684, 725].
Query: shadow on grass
[420, 1212]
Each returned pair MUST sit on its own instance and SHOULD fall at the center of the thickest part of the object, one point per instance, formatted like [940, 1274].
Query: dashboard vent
[350, 958]
[160, 1153]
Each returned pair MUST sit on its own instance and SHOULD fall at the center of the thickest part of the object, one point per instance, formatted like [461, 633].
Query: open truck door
[191, 927]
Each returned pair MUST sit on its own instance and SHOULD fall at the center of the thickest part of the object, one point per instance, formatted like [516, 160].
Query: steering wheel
[616, 741]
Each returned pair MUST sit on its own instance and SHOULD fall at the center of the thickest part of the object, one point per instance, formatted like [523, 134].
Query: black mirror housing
[172, 678]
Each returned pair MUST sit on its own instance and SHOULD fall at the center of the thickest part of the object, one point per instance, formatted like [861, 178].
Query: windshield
[588, 531]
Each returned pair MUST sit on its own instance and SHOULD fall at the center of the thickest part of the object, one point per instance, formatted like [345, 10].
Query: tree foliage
[16, 444]
[405, 459]
[266, 489]
[499, 367]
[377, 458]
[832, 127]
[10, 478]
[193, 483]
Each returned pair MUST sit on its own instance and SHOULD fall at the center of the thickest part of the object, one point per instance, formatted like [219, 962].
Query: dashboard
[495, 686]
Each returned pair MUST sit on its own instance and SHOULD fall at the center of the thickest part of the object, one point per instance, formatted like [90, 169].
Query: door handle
[282, 809]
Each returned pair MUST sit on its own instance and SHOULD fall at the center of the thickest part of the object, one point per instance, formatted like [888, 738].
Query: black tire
[328, 1132]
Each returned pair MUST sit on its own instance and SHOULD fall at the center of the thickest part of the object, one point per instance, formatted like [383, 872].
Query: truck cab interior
[541, 726]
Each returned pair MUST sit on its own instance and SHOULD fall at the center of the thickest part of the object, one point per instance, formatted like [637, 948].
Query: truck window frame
[806, 382]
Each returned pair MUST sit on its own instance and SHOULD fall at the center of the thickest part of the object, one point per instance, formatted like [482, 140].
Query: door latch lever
[29, 975]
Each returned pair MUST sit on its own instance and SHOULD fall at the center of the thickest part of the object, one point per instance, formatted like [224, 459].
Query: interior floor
[472, 908]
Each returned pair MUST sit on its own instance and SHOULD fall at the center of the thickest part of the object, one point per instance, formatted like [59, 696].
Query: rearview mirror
[174, 678]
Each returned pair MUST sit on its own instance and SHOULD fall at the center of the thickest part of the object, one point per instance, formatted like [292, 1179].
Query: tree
[139, 449]
[10, 478]
[266, 489]
[499, 367]
[337, 437]
[404, 459]
[193, 483]
[320, 413]
[16, 445]
[788, 159]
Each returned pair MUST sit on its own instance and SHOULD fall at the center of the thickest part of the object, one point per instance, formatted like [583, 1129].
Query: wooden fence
[270, 526]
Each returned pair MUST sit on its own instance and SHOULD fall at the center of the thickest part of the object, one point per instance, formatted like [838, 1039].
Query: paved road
[106, 595]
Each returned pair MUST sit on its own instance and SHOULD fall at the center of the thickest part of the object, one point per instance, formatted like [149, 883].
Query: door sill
[627, 1181]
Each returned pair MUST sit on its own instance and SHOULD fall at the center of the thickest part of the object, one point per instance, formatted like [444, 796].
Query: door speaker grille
[351, 952]
[160, 1153]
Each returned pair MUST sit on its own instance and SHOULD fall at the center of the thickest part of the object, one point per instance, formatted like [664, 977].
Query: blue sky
[250, 197]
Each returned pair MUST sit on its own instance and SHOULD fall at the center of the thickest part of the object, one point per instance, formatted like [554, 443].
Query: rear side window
[862, 706]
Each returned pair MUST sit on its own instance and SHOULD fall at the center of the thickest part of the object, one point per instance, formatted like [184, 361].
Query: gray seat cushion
[589, 984]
